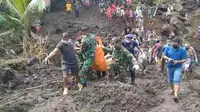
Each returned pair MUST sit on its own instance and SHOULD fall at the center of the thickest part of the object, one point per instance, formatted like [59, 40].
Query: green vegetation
[16, 17]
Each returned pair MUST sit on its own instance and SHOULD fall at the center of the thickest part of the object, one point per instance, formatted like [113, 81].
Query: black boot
[133, 77]
[103, 74]
[99, 74]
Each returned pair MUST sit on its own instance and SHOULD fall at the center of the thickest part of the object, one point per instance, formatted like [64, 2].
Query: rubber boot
[103, 74]
[84, 82]
[99, 74]
[133, 77]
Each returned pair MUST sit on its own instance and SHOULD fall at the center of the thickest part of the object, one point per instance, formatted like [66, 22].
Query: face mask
[175, 46]
[127, 41]
[168, 43]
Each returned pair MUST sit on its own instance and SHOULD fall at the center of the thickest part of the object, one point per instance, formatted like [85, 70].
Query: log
[13, 62]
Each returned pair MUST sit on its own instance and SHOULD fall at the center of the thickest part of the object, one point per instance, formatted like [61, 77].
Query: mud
[39, 87]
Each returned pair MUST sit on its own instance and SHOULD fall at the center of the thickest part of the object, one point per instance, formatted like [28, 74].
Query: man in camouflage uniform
[121, 60]
[88, 54]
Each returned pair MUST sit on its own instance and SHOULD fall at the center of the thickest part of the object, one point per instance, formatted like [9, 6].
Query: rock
[171, 13]
[177, 7]
[177, 23]
[164, 17]
[181, 28]
[187, 23]
[181, 17]
[174, 21]
[6, 74]
[162, 7]
[159, 12]
[168, 27]
[177, 1]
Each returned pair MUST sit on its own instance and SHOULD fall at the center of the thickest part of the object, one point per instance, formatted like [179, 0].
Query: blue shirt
[176, 55]
[130, 46]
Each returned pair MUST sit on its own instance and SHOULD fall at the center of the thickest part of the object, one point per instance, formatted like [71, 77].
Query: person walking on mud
[88, 53]
[176, 56]
[69, 60]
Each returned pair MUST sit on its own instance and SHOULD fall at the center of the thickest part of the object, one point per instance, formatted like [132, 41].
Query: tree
[20, 13]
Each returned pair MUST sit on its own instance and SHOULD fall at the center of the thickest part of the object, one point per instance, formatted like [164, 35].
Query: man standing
[88, 53]
[176, 56]
[69, 60]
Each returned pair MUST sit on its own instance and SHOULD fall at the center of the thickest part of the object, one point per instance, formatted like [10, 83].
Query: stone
[6, 75]
[187, 23]
[162, 7]
[174, 21]
[177, 7]
[171, 13]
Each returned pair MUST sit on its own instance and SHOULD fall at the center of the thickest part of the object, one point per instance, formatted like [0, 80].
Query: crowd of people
[126, 53]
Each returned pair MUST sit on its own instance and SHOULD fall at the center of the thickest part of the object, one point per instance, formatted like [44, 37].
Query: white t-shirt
[122, 12]
[118, 10]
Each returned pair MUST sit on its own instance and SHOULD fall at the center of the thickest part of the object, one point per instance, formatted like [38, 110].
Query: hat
[129, 36]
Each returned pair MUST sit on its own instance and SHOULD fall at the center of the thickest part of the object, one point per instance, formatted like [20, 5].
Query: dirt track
[39, 88]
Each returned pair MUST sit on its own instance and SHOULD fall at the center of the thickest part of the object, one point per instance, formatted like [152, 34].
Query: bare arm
[167, 58]
[53, 53]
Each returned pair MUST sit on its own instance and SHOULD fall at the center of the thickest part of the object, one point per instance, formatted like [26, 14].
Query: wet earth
[38, 88]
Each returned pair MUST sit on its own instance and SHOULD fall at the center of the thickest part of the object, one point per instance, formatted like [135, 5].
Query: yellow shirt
[68, 7]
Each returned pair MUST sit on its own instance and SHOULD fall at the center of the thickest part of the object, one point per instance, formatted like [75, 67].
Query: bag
[100, 63]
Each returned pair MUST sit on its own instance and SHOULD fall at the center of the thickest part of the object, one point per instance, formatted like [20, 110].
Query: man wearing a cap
[88, 53]
[69, 60]
[176, 56]
[130, 44]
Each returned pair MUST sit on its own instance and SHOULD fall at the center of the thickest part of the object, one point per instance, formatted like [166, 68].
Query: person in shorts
[175, 56]
[69, 61]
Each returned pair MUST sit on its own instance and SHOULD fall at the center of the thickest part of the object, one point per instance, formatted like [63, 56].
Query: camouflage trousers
[119, 72]
[86, 67]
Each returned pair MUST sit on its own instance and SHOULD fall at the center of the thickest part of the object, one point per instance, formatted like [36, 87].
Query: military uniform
[124, 63]
[88, 54]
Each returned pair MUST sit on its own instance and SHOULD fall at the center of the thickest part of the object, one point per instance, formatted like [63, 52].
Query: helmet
[129, 36]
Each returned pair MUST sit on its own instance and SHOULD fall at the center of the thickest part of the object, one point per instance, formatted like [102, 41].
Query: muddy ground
[39, 88]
